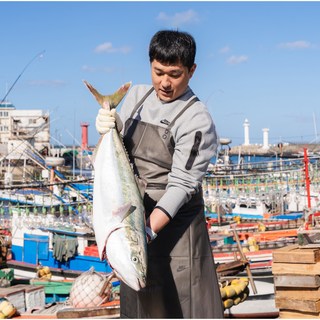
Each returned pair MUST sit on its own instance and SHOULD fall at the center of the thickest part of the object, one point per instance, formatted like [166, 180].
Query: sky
[255, 60]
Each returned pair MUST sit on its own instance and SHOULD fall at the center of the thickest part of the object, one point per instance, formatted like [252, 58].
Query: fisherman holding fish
[170, 138]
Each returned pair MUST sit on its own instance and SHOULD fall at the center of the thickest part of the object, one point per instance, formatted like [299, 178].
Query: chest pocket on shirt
[149, 142]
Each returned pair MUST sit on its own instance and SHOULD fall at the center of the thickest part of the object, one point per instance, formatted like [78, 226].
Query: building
[28, 127]
[6, 109]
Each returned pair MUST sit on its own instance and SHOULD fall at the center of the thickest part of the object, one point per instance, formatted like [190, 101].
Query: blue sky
[256, 60]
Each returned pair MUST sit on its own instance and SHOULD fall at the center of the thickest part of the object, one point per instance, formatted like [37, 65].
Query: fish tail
[111, 100]
[116, 97]
[95, 93]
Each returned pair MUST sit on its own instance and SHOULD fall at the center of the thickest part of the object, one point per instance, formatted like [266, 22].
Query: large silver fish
[118, 211]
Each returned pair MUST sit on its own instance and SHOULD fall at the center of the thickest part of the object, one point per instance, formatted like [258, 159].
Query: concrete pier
[281, 150]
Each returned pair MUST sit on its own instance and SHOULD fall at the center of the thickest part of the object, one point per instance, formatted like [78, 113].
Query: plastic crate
[6, 276]
[91, 251]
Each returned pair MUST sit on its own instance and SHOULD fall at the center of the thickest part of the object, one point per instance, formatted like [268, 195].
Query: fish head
[127, 256]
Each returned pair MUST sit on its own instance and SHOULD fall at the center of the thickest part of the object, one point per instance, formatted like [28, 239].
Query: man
[170, 138]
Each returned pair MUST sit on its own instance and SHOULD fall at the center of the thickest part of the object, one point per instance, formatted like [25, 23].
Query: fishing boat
[264, 188]
[61, 242]
[281, 194]
[265, 203]
[49, 218]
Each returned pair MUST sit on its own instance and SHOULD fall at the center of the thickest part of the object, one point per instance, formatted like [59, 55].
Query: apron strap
[191, 102]
[141, 102]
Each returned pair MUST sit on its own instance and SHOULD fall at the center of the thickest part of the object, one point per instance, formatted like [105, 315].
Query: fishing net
[91, 289]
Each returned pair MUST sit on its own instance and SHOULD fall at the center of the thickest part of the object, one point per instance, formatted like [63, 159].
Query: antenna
[40, 55]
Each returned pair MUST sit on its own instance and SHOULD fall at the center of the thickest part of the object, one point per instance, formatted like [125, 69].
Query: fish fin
[113, 100]
[116, 97]
[95, 93]
[115, 223]
[121, 212]
[118, 215]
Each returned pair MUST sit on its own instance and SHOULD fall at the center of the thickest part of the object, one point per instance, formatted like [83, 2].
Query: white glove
[107, 120]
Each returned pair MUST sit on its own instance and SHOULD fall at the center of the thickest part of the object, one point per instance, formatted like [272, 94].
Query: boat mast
[306, 171]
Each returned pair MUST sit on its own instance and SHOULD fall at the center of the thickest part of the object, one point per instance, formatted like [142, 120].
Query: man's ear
[192, 70]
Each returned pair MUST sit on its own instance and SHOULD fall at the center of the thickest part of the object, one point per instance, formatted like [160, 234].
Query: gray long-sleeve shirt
[182, 183]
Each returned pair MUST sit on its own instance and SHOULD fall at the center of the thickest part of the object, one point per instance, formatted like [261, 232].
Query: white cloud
[88, 68]
[225, 49]
[107, 47]
[92, 69]
[301, 44]
[237, 59]
[179, 18]
[47, 83]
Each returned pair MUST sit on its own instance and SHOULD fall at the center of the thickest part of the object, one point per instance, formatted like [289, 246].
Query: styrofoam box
[34, 295]
[16, 296]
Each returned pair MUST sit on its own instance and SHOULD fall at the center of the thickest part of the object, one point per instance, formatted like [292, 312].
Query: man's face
[170, 81]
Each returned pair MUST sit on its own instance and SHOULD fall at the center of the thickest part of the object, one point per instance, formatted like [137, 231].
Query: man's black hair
[172, 47]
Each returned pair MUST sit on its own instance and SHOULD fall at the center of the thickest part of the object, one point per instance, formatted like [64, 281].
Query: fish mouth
[137, 284]
[141, 283]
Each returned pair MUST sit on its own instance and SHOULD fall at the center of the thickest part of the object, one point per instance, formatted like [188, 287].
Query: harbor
[75, 232]
[253, 209]
[258, 200]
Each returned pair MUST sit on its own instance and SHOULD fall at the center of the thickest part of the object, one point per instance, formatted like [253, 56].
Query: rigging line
[40, 54]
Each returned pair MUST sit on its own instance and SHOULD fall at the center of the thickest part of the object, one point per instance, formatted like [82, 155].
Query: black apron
[181, 277]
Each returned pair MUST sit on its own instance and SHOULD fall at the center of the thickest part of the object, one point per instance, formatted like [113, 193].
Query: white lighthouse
[246, 132]
[265, 138]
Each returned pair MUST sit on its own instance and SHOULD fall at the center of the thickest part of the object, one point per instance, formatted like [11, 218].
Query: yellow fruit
[228, 303]
[2, 316]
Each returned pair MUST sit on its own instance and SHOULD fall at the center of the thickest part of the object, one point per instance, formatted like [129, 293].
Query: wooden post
[243, 257]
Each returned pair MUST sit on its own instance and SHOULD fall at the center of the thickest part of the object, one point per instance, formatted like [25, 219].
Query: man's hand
[107, 120]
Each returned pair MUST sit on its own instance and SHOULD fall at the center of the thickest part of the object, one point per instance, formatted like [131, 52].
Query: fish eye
[134, 259]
